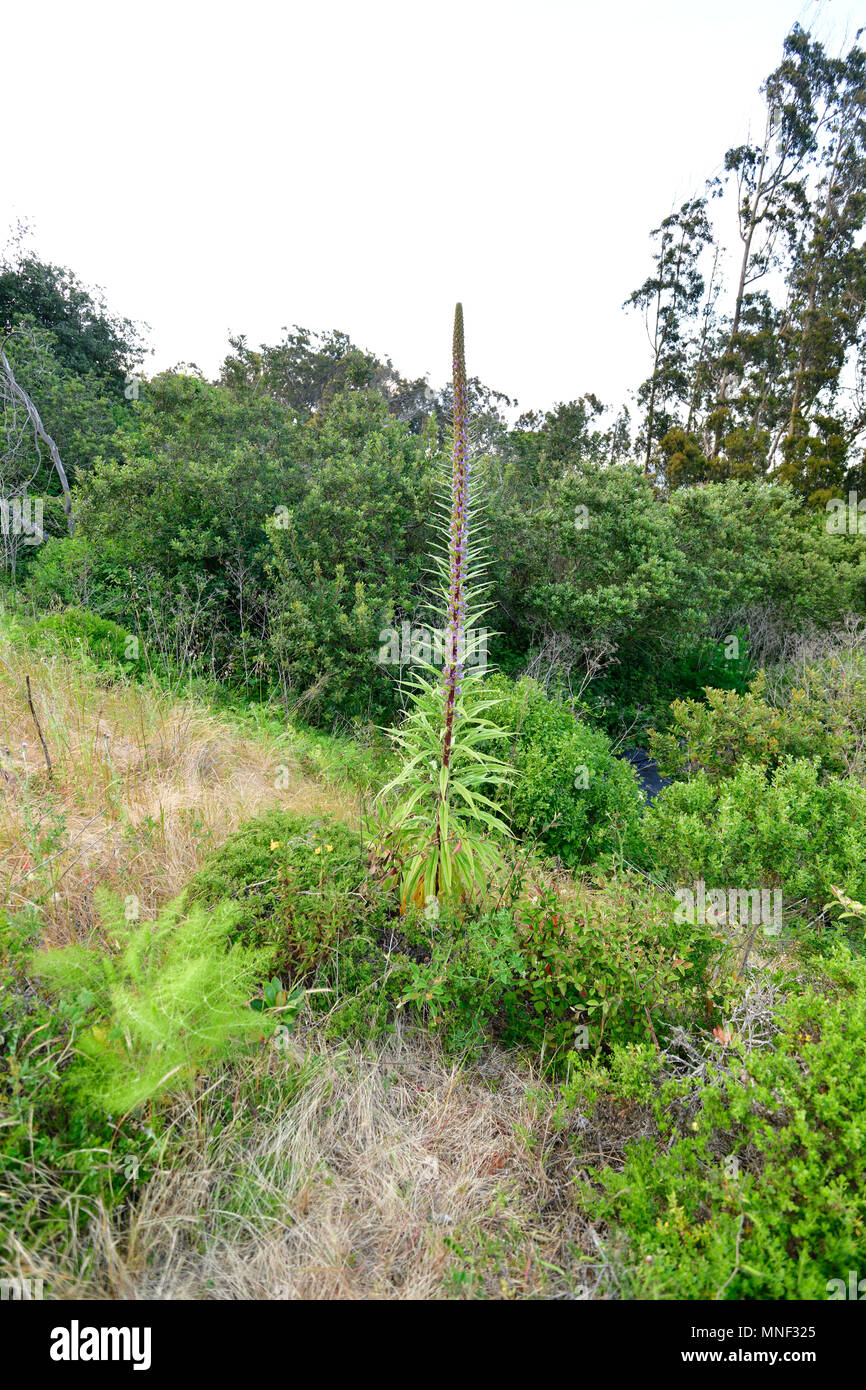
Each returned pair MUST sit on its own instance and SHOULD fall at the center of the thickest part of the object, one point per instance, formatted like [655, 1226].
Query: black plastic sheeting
[647, 770]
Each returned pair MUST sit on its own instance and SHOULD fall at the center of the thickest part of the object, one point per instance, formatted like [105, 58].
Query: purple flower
[458, 535]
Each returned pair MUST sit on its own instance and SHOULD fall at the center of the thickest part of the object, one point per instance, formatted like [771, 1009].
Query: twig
[652, 1030]
[750, 941]
[39, 731]
[736, 1268]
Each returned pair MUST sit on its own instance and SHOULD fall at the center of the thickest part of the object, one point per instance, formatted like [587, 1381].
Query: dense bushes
[753, 1185]
[785, 829]
[349, 557]
[817, 712]
[286, 587]
[717, 734]
[610, 958]
[75, 573]
[594, 557]
[326, 540]
[556, 974]
[265, 527]
[570, 791]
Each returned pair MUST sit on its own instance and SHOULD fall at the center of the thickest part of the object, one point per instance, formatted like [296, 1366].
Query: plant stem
[458, 540]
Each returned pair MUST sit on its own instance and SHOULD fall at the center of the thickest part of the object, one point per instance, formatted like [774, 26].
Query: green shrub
[613, 964]
[75, 572]
[76, 630]
[754, 1186]
[306, 894]
[816, 712]
[172, 997]
[296, 879]
[462, 986]
[622, 963]
[348, 556]
[786, 830]
[571, 791]
[718, 734]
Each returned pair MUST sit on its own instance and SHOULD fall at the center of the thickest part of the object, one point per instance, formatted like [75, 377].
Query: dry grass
[141, 787]
[377, 1173]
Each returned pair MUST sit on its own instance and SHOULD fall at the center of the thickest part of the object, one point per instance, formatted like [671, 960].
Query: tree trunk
[41, 433]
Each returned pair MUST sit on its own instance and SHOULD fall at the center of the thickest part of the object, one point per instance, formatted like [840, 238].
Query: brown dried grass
[142, 787]
[377, 1172]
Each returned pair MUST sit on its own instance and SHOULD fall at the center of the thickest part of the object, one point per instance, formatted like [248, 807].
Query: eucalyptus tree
[825, 331]
[759, 377]
[800, 208]
[671, 299]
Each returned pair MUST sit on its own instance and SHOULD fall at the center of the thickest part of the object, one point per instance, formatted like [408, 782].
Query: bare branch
[18, 394]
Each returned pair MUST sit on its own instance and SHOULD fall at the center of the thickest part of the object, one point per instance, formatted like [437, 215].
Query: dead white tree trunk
[17, 392]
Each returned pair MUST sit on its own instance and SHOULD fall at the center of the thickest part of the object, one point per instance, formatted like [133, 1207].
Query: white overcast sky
[236, 168]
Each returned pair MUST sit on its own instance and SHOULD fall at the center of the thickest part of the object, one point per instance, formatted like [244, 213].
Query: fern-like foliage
[170, 996]
[444, 829]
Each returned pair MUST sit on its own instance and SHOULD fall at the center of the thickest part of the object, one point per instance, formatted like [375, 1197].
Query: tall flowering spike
[441, 828]
[458, 539]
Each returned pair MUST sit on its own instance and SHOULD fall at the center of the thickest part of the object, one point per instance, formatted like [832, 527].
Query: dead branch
[20, 395]
[39, 731]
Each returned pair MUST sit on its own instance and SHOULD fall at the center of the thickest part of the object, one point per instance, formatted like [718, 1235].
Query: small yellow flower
[275, 844]
[329, 848]
[318, 849]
